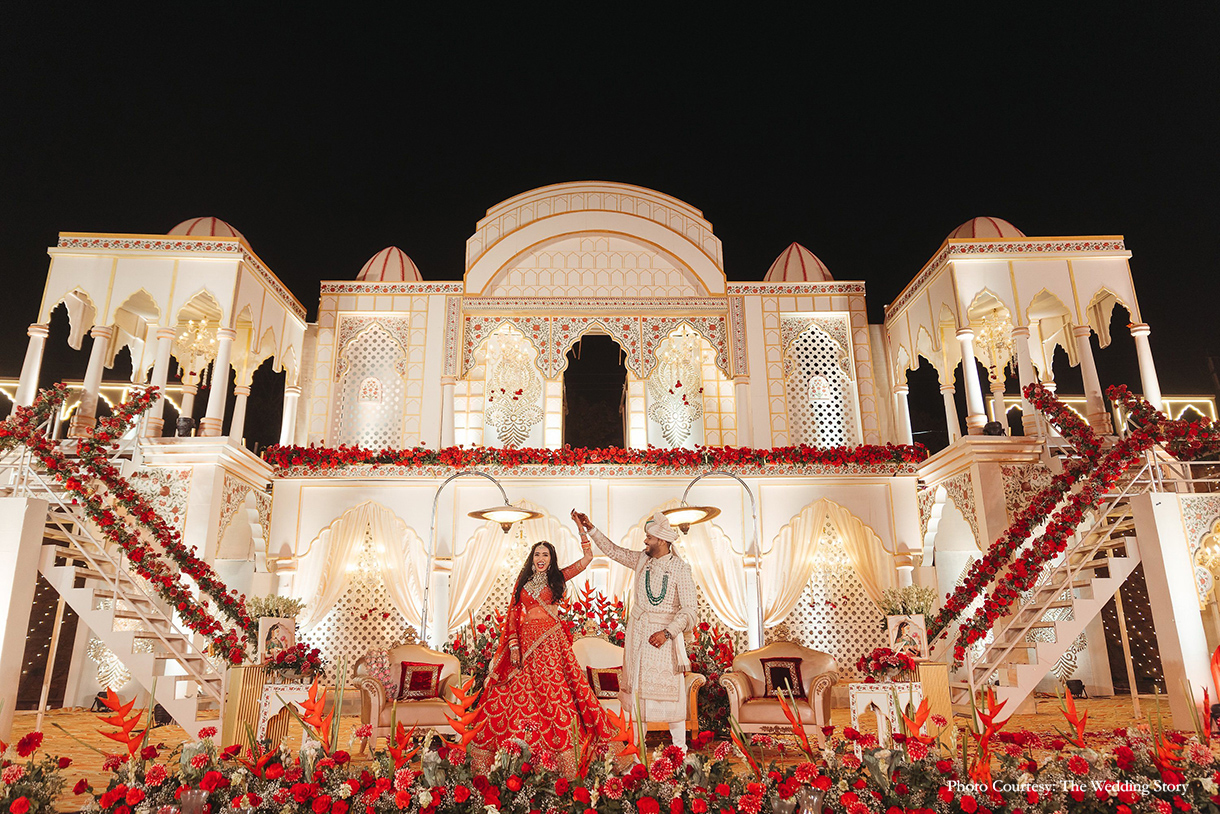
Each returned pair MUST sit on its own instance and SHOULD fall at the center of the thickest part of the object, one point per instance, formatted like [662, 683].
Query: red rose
[561, 787]
[675, 806]
[27, 745]
[19, 806]
[944, 794]
[513, 783]
[340, 807]
[460, 794]
[274, 772]
[648, 805]
[81, 786]
[969, 804]
[321, 803]
[134, 796]
[581, 794]
[65, 762]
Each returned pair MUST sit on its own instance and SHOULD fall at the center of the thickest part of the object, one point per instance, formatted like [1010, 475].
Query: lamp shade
[505, 515]
[686, 516]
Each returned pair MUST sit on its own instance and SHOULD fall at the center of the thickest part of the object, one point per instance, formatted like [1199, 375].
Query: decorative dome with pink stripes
[390, 265]
[205, 227]
[796, 264]
[986, 228]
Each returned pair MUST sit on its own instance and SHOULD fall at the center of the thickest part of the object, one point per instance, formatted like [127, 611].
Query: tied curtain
[786, 567]
[400, 553]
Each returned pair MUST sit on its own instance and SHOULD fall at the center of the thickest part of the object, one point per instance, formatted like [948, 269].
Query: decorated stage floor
[1105, 715]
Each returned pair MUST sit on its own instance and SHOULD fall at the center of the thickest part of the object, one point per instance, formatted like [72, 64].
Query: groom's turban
[659, 527]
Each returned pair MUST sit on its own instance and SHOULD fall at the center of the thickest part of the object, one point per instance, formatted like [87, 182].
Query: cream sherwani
[655, 673]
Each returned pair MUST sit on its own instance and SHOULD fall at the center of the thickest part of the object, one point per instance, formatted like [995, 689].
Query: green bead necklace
[655, 600]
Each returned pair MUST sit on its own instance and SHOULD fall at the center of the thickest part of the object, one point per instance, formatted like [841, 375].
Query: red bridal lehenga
[548, 699]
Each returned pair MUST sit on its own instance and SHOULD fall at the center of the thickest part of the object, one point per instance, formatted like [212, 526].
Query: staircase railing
[28, 482]
[1073, 562]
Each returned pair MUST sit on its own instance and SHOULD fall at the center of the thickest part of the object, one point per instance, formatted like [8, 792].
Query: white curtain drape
[479, 562]
[324, 571]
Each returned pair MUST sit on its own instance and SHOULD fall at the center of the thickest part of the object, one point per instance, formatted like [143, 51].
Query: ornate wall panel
[961, 491]
[1021, 483]
[376, 353]
[167, 490]
[818, 389]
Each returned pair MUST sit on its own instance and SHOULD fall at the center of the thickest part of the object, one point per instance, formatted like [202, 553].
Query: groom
[662, 610]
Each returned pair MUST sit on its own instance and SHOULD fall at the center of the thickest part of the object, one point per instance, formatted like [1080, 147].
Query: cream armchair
[427, 713]
[601, 654]
[746, 686]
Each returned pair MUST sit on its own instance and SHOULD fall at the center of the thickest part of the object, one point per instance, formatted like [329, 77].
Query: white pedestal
[883, 697]
[22, 521]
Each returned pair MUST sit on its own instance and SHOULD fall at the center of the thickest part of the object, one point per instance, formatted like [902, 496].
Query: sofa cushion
[782, 673]
[768, 711]
[431, 712]
[419, 680]
[605, 681]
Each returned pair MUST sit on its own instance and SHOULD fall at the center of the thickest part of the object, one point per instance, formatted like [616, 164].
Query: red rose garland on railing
[985, 569]
[1185, 440]
[329, 458]
[92, 451]
[22, 427]
[1024, 572]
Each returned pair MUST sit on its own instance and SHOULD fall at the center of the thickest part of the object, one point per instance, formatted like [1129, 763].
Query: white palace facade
[399, 361]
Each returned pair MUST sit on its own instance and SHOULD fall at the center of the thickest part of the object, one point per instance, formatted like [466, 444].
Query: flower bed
[332, 461]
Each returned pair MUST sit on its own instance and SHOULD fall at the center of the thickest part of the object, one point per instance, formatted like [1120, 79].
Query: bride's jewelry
[536, 583]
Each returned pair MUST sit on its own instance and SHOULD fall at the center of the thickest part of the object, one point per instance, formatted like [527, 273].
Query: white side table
[270, 703]
[881, 697]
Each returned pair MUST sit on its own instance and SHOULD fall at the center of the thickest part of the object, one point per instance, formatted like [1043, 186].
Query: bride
[536, 691]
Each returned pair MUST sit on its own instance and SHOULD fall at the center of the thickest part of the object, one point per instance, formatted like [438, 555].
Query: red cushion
[419, 680]
[605, 681]
[782, 673]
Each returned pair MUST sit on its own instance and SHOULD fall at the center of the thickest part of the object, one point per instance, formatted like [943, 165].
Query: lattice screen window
[719, 410]
[834, 614]
[821, 407]
[374, 356]
[363, 618]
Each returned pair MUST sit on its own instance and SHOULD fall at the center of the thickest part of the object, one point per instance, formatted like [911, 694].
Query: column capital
[292, 390]
[102, 331]
[1140, 329]
[965, 333]
[949, 389]
[1079, 331]
[1021, 331]
[39, 329]
[226, 333]
[448, 381]
[241, 390]
[743, 379]
[166, 333]
[902, 389]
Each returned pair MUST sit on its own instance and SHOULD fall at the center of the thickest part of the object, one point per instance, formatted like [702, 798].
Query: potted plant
[884, 664]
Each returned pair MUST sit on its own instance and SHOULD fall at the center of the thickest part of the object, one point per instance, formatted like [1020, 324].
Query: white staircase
[1070, 595]
[118, 606]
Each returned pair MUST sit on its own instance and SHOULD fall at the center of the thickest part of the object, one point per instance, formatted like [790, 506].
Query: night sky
[325, 133]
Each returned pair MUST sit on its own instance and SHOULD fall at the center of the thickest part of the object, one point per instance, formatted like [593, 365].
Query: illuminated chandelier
[196, 345]
[995, 336]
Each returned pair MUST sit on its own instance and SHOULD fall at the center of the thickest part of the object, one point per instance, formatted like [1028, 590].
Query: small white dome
[986, 228]
[390, 265]
[205, 227]
[796, 264]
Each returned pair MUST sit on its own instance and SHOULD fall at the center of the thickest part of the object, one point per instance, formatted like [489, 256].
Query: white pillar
[1143, 352]
[22, 523]
[1095, 407]
[214, 419]
[238, 425]
[902, 415]
[1031, 421]
[953, 423]
[447, 385]
[905, 565]
[754, 632]
[27, 388]
[86, 413]
[288, 424]
[189, 391]
[160, 375]
[741, 404]
[976, 413]
[998, 413]
[1165, 556]
[438, 604]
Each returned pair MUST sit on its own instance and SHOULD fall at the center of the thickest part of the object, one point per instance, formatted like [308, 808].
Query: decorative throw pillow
[419, 680]
[783, 674]
[605, 681]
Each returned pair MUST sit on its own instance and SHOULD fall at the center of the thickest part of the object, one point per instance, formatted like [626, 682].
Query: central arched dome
[985, 228]
[390, 265]
[594, 239]
[796, 264]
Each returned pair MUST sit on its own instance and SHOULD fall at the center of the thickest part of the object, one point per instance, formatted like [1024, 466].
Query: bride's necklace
[536, 583]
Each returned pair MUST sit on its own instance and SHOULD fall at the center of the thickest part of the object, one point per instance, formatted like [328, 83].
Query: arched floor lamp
[505, 515]
[685, 516]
